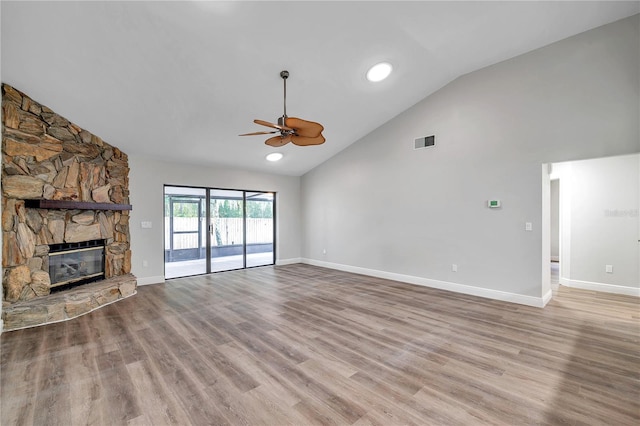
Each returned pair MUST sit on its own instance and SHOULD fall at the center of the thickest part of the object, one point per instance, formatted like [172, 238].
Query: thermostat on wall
[493, 204]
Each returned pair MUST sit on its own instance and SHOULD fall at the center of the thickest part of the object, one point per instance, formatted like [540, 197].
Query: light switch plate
[146, 225]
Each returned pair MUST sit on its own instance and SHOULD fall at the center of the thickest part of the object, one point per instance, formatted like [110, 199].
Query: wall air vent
[425, 142]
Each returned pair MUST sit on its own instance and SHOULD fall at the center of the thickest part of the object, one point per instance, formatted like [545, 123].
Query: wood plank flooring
[302, 345]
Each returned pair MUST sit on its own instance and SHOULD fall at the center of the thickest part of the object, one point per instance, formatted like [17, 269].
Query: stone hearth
[47, 157]
[68, 304]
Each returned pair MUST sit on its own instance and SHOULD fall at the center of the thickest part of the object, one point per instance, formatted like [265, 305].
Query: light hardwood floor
[304, 345]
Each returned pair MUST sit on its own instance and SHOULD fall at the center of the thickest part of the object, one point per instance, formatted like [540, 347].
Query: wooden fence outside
[229, 231]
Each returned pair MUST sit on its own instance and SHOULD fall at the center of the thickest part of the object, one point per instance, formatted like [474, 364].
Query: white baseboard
[538, 302]
[291, 261]
[606, 288]
[547, 298]
[151, 280]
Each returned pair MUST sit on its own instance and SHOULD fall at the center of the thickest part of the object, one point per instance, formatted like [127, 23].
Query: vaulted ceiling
[180, 80]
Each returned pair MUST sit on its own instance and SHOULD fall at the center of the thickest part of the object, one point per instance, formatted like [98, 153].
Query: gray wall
[382, 206]
[147, 178]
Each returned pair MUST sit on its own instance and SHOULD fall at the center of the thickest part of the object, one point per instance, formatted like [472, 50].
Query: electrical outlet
[145, 264]
[454, 268]
[324, 251]
[528, 226]
[608, 269]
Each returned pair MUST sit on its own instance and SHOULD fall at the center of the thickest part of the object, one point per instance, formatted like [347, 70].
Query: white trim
[281, 262]
[521, 299]
[150, 280]
[545, 227]
[606, 288]
[547, 298]
[1, 326]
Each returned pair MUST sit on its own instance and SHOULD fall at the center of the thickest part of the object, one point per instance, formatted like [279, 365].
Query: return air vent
[425, 142]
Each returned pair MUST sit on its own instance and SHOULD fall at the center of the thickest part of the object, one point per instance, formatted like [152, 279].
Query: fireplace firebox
[73, 264]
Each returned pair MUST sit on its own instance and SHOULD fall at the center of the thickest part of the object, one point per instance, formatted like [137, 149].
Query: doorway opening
[598, 225]
[554, 223]
[213, 230]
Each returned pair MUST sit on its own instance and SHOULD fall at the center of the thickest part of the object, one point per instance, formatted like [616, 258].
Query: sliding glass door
[213, 230]
[226, 228]
[259, 228]
[184, 231]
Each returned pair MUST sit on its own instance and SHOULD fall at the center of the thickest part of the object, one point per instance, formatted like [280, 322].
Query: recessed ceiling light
[379, 72]
[274, 156]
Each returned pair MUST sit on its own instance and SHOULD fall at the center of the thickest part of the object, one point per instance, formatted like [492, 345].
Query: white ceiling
[181, 80]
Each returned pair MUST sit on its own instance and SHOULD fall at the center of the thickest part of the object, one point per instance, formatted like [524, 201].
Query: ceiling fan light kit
[295, 130]
[274, 156]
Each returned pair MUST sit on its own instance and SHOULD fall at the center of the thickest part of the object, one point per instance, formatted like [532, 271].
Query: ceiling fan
[296, 130]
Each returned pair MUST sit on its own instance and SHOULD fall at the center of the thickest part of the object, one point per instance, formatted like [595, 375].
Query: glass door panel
[184, 231]
[259, 228]
[226, 229]
[213, 230]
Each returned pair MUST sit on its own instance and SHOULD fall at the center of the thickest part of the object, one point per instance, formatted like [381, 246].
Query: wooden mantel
[74, 205]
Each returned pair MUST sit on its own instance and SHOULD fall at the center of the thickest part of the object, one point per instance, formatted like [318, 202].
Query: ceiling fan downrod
[284, 74]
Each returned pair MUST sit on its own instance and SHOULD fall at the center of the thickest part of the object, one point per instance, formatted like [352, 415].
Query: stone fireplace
[65, 217]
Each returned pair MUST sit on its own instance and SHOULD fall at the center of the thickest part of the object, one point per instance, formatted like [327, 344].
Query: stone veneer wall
[45, 156]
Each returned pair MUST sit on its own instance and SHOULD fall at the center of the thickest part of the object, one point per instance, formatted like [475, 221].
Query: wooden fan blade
[258, 133]
[304, 141]
[278, 141]
[275, 126]
[305, 128]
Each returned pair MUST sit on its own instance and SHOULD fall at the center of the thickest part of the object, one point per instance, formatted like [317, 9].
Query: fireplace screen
[76, 263]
